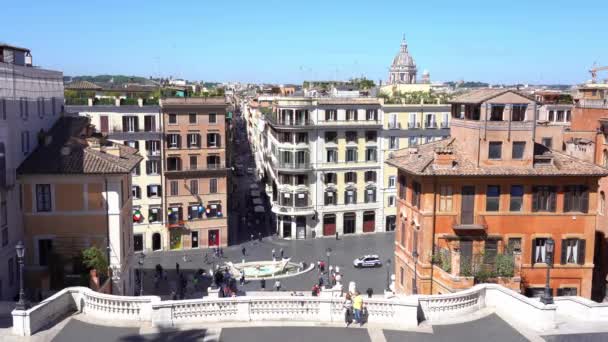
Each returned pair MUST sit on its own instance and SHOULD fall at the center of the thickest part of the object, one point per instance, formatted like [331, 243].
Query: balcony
[342, 123]
[118, 133]
[430, 125]
[413, 125]
[178, 169]
[293, 166]
[394, 125]
[588, 103]
[444, 125]
[478, 224]
[292, 210]
[153, 153]
[301, 123]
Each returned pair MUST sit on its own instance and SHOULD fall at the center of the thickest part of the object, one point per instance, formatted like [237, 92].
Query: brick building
[195, 172]
[481, 205]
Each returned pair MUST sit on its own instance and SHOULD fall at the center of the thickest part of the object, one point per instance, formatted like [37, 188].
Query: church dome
[403, 58]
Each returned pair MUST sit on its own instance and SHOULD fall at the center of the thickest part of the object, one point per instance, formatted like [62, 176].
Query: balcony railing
[193, 168]
[293, 166]
[412, 125]
[479, 223]
[444, 125]
[394, 125]
[292, 209]
[348, 122]
[430, 125]
[153, 153]
[291, 122]
[588, 103]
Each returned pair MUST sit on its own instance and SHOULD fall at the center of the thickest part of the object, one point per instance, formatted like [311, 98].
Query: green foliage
[415, 97]
[94, 258]
[117, 79]
[104, 102]
[505, 265]
[442, 259]
[306, 84]
[77, 101]
[483, 274]
[128, 101]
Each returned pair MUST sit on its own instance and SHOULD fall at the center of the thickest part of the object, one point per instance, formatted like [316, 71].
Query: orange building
[76, 193]
[481, 205]
[195, 172]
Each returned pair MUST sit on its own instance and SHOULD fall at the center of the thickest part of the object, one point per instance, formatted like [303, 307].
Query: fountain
[267, 269]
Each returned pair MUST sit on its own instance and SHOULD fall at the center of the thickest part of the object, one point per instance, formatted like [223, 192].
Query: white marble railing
[402, 311]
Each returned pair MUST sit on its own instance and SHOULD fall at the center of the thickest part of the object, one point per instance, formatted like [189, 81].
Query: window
[173, 141]
[560, 116]
[391, 201]
[136, 192]
[543, 198]
[567, 291]
[130, 124]
[24, 109]
[213, 162]
[412, 141]
[573, 251]
[331, 137]
[153, 147]
[370, 176]
[192, 118]
[194, 186]
[154, 190]
[174, 164]
[195, 211]
[518, 149]
[548, 142]
[330, 115]
[519, 112]
[332, 156]
[153, 167]
[445, 198]
[172, 119]
[4, 236]
[351, 154]
[301, 179]
[330, 197]
[514, 245]
[416, 190]
[302, 138]
[213, 185]
[371, 136]
[490, 251]
[495, 150]
[213, 140]
[25, 142]
[331, 178]
[516, 199]
[496, 113]
[154, 215]
[3, 109]
[350, 196]
[371, 115]
[45, 248]
[149, 123]
[133, 144]
[43, 197]
[551, 115]
[351, 137]
[370, 195]
[40, 104]
[568, 116]
[576, 198]
[194, 140]
[370, 154]
[138, 243]
[392, 181]
[174, 191]
[194, 162]
[136, 170]
[539, 250]
[351, 114]
[493, 198]
[602, 204]
[350, 177]
[393, 143]
[212, 118]
[402, 187]
[403, 234]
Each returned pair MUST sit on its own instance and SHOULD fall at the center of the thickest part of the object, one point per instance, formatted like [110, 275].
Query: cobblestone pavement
[344, 251]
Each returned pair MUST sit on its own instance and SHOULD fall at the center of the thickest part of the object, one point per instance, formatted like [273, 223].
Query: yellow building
[76, 193]
[408, 126]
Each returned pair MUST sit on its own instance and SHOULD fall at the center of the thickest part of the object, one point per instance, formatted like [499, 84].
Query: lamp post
[22, 303]
[141, 273]
[415, 285]
[388, 276]
[547, 297]
[328, 253]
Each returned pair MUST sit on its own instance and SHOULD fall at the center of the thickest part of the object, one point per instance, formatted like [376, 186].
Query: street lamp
[388, 276]
[141, 273]
[22, 303]
[415, 285]
[328, 253]
[547, 297]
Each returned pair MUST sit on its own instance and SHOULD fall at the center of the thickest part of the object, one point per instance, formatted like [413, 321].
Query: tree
[94, 258]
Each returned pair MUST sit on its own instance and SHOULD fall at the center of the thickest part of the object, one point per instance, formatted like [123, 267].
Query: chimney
[444, 157]
[117, 101]
[90, 102]
[140, 102]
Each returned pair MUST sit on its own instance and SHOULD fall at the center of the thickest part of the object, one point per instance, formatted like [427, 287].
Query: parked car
[367, 261]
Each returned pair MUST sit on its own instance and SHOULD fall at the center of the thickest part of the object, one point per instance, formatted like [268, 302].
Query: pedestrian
[177, 267]
[244, 251]
[221, 252]
[263, 284]
[242, 280]
[260, 236]
[337, 236]
[322, 266]
[370, 292]
[331, 268]
[321, 281]
[251, 238]
[282, 253]
[358, 307]
[348, 309]
[273, 255]
[277, 285]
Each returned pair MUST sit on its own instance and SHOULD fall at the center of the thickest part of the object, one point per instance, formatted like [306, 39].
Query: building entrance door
[466, 257]
[156, 241]
[214, 238]
[194, 238]
[301, 227]
[468, 205]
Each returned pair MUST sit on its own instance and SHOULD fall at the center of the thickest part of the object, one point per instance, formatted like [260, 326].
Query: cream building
[138, 126]
[31, 100]
[408, 126]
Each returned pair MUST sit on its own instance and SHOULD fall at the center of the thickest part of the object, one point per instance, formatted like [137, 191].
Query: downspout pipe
[434, 224]
[107, 220]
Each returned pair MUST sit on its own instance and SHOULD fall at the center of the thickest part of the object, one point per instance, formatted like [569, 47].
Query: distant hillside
[117, 79]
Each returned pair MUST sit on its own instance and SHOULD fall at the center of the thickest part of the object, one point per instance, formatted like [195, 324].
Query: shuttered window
[576, 198]
[544, 198]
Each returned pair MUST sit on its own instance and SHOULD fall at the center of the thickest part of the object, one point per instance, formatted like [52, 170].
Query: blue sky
[530, 41]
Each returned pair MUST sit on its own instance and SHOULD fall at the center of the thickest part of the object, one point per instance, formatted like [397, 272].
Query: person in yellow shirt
[358, 307]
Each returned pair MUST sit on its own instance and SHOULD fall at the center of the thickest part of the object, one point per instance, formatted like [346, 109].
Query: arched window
[602, 208]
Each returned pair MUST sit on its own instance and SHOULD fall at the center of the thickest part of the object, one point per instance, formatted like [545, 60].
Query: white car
[367, 261]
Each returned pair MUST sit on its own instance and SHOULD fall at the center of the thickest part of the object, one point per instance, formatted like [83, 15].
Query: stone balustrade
[399, 310]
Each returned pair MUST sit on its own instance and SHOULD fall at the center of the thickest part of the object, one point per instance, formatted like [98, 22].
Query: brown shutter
[567, 199]
[533, 252]
[564, 251]
[581, 252]
[585, 199]
[103, 123]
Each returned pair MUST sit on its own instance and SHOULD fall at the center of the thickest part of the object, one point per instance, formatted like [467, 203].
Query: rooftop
[82, 85]
[69, 148]
[485, 94]
[421, 161]
[193, 101]
[13, 47]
